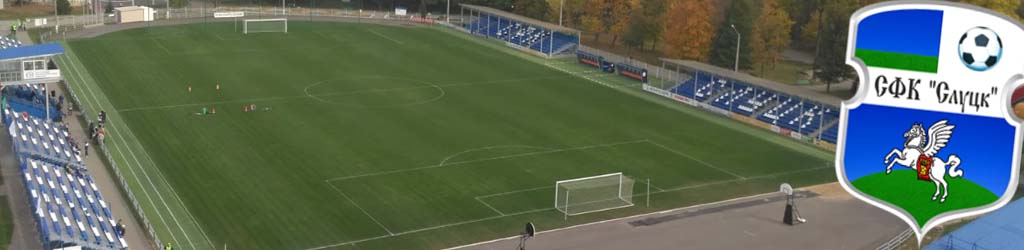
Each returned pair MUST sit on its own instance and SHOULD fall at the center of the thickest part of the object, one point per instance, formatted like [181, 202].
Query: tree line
[707, 30]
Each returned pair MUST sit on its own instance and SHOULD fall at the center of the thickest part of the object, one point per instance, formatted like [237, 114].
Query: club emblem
[934, 100]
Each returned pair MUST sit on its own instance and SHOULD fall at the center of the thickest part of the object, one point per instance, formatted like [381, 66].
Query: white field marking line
[353, 242]
[160, 176]
[648, 181]
[712, 166]
[621, 219]
[76, 74]
[132, 170]
[161, 45]
[736, 180]
[603, 145]
[225, 39]
[516, 191]
[340, 93]
[382, 35]
[433, 99]
[538, 188]
[489, 148]
[359, 207]
[586, 77]
[151, 183]
[488, 205]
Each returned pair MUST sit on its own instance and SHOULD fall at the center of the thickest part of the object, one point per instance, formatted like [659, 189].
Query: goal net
[265, 25]
[593, 194]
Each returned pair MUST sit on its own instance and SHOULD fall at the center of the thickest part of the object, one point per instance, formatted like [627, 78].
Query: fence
[58, 27]
[62, 25]
[139, 214]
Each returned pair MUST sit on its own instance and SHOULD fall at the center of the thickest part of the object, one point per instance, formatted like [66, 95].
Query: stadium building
[246, 125]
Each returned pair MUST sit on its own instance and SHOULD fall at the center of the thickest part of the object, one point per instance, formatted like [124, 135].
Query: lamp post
[561, 5]
[736, 64]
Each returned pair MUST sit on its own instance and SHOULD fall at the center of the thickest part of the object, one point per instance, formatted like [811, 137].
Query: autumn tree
[593, 17]
[723, 50]
[688, 31]
[618, 18]
[1007, 7]
[770, 35]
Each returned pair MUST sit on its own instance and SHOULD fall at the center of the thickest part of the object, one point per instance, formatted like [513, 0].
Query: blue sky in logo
[984, 144]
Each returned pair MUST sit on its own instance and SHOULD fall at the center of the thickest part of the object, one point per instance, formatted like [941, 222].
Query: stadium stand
[7, 42]
[503, 26]
[1000, 229]
[30, 98]
[805, 116]
[69, 209]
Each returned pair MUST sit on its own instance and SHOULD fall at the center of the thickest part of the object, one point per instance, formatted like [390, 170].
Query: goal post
[265, 25]
[593, 194]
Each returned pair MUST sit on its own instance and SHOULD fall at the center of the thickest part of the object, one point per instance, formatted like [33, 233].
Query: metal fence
[59, 26]
[83, 113]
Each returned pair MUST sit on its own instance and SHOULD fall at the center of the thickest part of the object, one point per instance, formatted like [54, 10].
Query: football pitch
[370, 136]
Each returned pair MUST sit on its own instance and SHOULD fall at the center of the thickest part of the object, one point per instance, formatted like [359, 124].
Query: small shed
[131, 14]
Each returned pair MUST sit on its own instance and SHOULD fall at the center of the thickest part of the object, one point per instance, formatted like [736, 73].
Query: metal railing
[83, 115]
[897, 241]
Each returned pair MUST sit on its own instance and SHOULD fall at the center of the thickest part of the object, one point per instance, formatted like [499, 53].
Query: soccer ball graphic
[980, 48]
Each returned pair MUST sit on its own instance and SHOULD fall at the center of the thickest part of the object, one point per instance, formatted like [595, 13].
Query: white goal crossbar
[593, 194]
[265, 25]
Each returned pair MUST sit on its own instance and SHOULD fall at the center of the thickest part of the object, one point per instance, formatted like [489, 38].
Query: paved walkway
[835, 221]
[25, 235]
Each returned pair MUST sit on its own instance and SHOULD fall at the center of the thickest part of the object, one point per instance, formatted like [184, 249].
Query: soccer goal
[593, 194]
[265, 25]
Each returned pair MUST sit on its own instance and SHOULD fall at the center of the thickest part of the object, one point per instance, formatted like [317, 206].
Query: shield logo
[930, 135]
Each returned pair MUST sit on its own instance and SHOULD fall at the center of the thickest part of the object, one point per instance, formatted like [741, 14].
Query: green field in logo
[902, 189]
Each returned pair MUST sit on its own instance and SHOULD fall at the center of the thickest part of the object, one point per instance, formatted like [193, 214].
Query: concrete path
[835, 221]
[25, 235]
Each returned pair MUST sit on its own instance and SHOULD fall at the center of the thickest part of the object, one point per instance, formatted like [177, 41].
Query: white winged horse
[920, 149]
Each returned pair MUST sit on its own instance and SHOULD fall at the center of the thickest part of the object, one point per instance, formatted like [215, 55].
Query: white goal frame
[622, 179]
[245, 24]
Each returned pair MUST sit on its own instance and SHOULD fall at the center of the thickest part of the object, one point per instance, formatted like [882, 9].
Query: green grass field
[393, 137]
[917, 195]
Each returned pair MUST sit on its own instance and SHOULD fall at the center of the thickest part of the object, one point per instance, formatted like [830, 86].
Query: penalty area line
[354, 242]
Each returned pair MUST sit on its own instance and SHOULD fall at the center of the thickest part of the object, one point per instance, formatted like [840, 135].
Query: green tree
[770, 35]
[830, 60]
[809, 33]
[109, 8]
[63, 7]
[645, 23]
[723, 51]
[180, 3]
[536, 9]
[688, 31]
